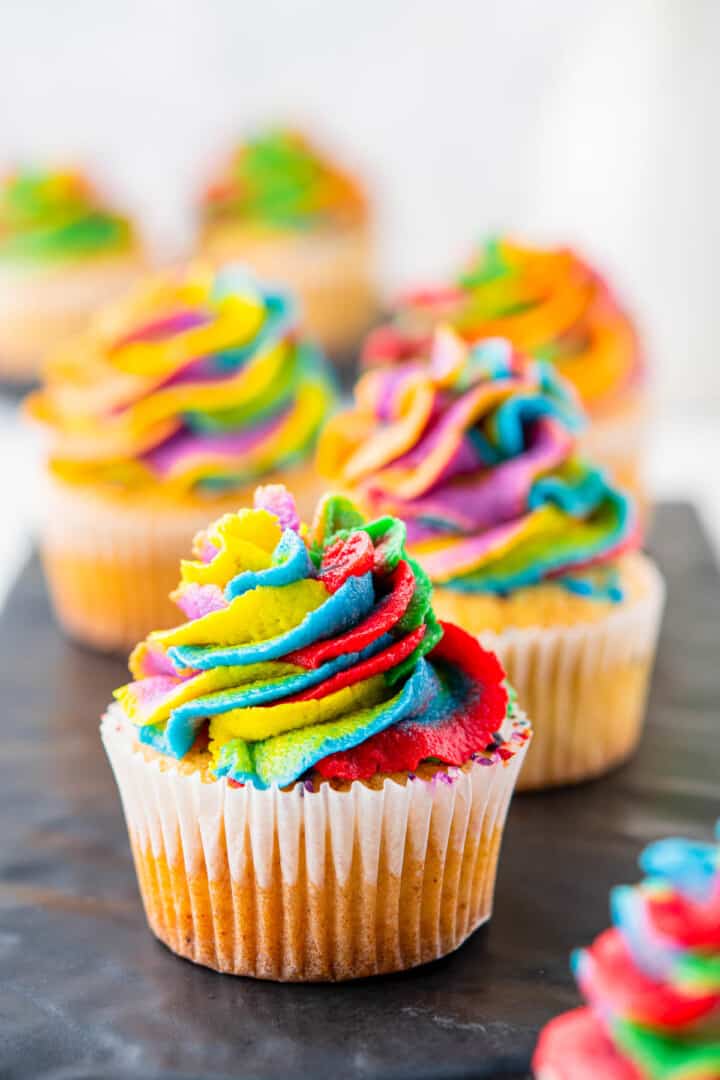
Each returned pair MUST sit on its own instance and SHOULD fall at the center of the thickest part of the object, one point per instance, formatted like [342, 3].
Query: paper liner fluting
[583, 686]
[303, 885]
[112, 558]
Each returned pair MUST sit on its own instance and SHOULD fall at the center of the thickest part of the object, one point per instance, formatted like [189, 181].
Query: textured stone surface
[87, 992]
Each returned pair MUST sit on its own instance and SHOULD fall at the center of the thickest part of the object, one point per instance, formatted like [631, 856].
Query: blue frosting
[579, 496]
[607, 587]
[512, 417]
[690, 868]
[628, 914]
[291, 563]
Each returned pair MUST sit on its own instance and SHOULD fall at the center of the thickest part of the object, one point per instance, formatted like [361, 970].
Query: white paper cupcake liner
[583, 686]
[302, 885]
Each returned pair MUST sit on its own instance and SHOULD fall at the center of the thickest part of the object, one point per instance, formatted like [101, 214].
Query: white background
[590, 121]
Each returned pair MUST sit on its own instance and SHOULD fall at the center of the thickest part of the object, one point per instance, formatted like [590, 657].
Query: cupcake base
[583, 684]
[41, 307]
[330, 269]
[297, 885]
[111, 557]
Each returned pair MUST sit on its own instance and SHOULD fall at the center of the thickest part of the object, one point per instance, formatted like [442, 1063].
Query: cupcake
[528, 545]
[315, 773]
[652, 982]
[554, 306]
[62, 252]
[162, 415]
[295, 217]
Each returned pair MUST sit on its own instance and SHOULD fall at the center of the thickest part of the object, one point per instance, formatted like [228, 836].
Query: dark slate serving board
[85, 991]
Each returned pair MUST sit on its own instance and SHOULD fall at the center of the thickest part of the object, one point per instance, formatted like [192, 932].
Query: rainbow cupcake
[315, 773]
[162, 415]
[62, 252]
[527, 545]
[296, 218]
[555, 307]
[652, 981]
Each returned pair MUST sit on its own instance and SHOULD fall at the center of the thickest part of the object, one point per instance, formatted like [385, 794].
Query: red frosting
[691, 925]
[382, 661]
[383, 617]
[610, 974]
[577, 1048]
[386, 344]
[401, 747]
[350, 557]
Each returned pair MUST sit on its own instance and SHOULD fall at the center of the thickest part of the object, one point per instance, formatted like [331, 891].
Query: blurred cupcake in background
[161, 416]
[652, 982]
[315, 772]
[300, 220]
[555, 307]
[528, 545]
[62, 252]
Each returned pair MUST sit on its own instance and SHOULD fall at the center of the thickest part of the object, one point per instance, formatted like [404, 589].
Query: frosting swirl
[549, 303]
[653, 980]
[475, 449]
[280, 180]
[199, 381]
[314, 650]
[57, 215]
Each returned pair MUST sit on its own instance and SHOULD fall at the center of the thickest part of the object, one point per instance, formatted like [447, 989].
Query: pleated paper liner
[583, 686]
[39, 308]
[111, 557]
[314, 885]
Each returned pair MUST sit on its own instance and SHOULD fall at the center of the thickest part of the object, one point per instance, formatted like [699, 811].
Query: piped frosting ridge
[314, 650]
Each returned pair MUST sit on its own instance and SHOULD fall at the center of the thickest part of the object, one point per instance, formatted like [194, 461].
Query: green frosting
[56, 215]
[279, 179]
[668, 1057]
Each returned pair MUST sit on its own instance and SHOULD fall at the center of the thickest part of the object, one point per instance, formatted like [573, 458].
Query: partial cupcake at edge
[652, 981]
[314, 771]
[63, 251]
[163, 414]
[528, 545]
[280, 204]
[554, 306]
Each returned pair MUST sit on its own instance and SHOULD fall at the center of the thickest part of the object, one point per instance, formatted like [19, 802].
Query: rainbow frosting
[198, 382]
[549, 303]
[279, 180]
[652, 981]
[474, 448]
[314, 651]
[57, 216]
